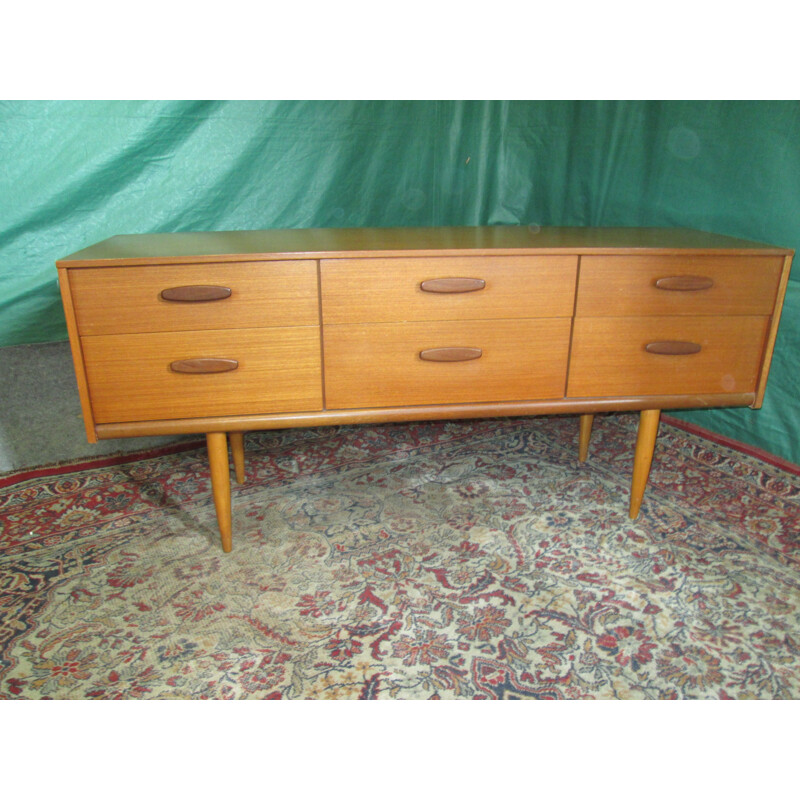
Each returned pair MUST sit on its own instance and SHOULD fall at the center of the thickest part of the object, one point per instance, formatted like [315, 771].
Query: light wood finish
[585, 436]
[129, 300]
[194, 247]
[643, 457]
[219, 467]
[609, 355]
[130, 377]
[519, 320]
[389, 290]
[237, 451]
[624, 285]
[379, 365]
[454, 411]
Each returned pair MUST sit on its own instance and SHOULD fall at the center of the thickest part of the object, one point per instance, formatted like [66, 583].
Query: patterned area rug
[473, 559]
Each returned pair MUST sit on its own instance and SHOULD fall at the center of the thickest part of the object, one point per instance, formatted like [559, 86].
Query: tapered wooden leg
[585, 435]
[645, 444]
[221, 485]
[237, 451]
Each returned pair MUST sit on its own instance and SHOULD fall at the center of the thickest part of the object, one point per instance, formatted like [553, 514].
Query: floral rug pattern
[473, 560]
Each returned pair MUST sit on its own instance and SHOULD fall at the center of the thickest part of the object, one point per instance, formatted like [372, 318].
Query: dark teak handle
[452, 285]
[451, 354]
[673, 348]
[202, 366]
[195, 294]
[684, 283]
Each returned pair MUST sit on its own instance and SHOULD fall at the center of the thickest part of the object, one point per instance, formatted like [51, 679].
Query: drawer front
[447, 288]
[498, 360]
[610, 355]
[129, 299]
[132, 377]
[684, 284]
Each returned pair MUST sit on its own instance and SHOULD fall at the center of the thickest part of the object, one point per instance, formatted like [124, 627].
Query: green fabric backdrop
[74, 173]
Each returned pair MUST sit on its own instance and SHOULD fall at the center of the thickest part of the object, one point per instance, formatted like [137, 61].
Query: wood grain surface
[379, 364]
[389, 290]
[609, 355]
[197, 246]
[130, 377]
[625, 285]
[115, 300]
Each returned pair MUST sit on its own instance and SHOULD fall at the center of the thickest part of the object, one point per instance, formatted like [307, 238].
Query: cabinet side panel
[77, 354]
[773, 333]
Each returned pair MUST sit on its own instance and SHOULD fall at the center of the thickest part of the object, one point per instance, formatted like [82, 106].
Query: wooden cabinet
[222, 333]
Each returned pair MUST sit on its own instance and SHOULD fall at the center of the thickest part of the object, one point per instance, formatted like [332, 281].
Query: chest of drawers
[221, 333]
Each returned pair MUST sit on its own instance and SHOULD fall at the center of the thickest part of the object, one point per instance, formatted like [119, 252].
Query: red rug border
[195, 444]
[733, 444]
[98, 462]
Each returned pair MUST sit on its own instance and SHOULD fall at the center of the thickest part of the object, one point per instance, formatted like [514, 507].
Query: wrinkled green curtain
[73, 173]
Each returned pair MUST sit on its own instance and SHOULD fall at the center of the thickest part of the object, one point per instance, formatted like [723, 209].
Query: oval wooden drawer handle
[684, 283]
[451, 354]
[202, 366]
[452, 285]
[673, 348]
[195, 294]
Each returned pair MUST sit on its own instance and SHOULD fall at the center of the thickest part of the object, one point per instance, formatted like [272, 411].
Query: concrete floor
[40, 412]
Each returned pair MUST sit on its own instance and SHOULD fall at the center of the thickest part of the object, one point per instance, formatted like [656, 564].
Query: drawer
[128, 299]
[681, 284]
[130, 376]
[391, 289]
[609, 356]
[380, 364]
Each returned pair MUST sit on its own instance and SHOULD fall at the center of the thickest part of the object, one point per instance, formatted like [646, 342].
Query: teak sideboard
[224, 332]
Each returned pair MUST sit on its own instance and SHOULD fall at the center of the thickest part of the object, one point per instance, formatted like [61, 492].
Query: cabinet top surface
[193, 247]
